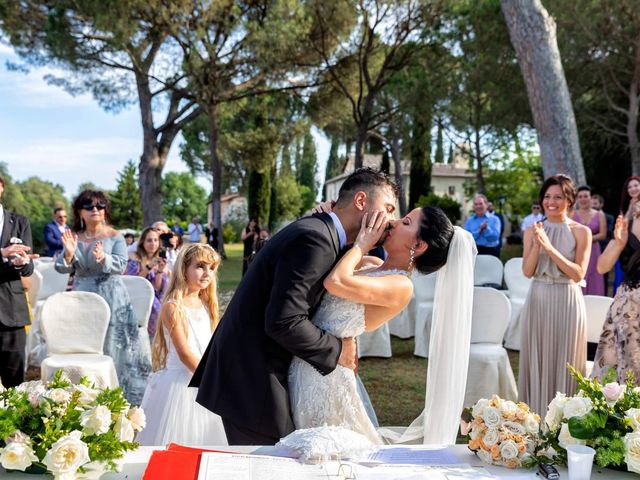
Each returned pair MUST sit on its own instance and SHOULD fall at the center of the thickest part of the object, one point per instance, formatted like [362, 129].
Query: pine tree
[285, 160]
[260, 195]
[439, 158]
[126, 211]
[309, 165]
[450, 158]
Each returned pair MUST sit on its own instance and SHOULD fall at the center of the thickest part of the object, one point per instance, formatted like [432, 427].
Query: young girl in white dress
[188, 317]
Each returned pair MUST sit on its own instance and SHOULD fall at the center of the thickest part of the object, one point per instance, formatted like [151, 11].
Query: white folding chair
[488, 271]
[597, 309]
[75, 325]
[52, 281]
[35, 281]
[141, 295]
[403, 325]
[489, 368]
[518, 287]
[376, 343]
[424, 289]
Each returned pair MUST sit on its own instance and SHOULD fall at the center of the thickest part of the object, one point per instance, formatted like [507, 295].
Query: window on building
[452, 190]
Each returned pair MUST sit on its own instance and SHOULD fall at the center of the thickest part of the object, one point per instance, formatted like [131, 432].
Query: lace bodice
[345, 318]
[199, 334]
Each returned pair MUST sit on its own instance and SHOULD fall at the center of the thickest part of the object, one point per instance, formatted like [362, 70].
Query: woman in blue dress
[97, 255]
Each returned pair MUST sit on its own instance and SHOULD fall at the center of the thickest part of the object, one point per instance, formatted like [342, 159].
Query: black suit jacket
[243, 373]
[13, 302]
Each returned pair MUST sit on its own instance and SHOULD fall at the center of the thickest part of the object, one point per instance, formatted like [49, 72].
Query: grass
[230, 271]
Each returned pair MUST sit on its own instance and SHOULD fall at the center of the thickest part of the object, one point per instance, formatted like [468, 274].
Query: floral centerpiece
[64, 429]
[502, 432]
[603, 416]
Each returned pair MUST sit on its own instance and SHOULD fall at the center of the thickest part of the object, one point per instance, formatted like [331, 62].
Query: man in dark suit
[243, 374]
[15, 262]
[53, 232]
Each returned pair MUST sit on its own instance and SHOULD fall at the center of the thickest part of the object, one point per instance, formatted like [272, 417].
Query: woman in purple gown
[597, 222]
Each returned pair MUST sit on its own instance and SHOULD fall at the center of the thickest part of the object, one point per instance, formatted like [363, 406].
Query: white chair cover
[35, 346]
[424, 289]
[597, 309]
[489, 368]
[74, 325]
[403, 325]
[518, 287]
[35, 284]
[488, 270]
[376, 343]
[141, 295]
[52, 281]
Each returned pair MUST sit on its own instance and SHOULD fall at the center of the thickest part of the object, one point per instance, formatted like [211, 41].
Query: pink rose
[612, 391]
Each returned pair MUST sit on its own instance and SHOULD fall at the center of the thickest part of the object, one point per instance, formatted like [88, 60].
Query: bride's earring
[412, 257]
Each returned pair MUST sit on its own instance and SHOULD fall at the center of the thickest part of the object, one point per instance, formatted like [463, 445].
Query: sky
[44, 131]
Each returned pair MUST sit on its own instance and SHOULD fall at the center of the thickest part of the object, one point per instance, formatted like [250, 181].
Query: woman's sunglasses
[90, 206]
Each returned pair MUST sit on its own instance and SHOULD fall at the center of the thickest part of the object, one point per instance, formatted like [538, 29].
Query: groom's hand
[348, 355]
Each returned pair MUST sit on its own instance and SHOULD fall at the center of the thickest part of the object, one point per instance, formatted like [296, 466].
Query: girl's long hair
[175, 294]
[141, 253]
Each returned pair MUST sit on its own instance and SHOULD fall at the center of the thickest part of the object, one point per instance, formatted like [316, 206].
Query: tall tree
[309, 164]
[439, 156]
[112, 50]
[182, 197]
[533, 34]
[126, 211]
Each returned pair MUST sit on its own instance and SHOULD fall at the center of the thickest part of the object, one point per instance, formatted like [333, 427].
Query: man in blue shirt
[484, 227]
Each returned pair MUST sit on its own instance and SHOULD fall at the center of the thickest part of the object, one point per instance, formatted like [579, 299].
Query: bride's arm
[391, 291]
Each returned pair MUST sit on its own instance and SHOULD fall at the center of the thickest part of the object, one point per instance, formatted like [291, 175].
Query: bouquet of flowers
[502, 432]
[67, 430]
[603, 416]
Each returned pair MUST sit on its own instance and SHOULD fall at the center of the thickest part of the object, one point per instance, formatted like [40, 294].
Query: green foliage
[229, 234]
[309, 165]
[439, 156]
[182, 197]
[259, 197]
[448, 205]
[289, 199]
[126, 211]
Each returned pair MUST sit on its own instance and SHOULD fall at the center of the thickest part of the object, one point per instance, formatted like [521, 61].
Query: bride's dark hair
[437, 231]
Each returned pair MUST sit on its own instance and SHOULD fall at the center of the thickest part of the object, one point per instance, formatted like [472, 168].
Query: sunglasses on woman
[90, 206]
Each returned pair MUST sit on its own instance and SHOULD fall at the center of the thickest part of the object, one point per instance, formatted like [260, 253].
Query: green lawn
[230, 271]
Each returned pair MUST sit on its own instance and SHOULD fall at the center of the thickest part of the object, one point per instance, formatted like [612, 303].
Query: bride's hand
[371, 229]
[324, 207]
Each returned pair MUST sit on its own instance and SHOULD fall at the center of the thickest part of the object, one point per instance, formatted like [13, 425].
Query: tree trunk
[632, 116]
[216, 174]
[420, 176]
[479, 169]
[361, 140]
[533, 35]
[397, 163]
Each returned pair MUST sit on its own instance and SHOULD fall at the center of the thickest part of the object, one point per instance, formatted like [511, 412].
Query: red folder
[177, 462]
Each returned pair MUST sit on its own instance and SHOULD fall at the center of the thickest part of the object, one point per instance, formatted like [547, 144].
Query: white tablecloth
[136, 462]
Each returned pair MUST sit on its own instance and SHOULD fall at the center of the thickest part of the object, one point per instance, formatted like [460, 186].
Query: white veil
[448, 348]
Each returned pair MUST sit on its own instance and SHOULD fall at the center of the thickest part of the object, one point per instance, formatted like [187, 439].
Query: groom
[243, 373]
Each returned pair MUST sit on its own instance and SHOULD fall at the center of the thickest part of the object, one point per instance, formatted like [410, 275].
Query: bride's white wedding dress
[332, 399]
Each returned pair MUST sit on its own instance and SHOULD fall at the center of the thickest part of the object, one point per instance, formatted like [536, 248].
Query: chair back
[488, 270]
[75, 322]
[52, 281]
[141, 296]
[44, 260]
[34, 288]
[517, 284]
[424, 286]
[491, 315]
[597, 309]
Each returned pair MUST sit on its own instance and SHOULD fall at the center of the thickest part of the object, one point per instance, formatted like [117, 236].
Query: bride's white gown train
[332, 399]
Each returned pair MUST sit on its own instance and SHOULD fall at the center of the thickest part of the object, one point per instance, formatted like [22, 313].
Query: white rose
[88, 395]
[633, 414]
[138, 418]
[514, 427]
[565, 438]
[478, 408]
[632, 451]
[17, 456]
[96, 421]
[58, 395]
[492, 417]
[491, 437]
[508, 408]
[33, 385]
[124, 429]
[555, 411]
[484, 456]
[509, 450]
[531, 425]
[67, 455]
[577, 407]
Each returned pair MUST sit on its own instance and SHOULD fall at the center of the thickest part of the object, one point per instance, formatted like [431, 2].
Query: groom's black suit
[243, 374]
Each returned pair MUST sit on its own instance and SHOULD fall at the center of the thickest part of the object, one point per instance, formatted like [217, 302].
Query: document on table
[236, 466]
[413, 455]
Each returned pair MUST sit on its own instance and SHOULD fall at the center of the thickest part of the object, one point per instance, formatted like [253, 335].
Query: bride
[364, 292]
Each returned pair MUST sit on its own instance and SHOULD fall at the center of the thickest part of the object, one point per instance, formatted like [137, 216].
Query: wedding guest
[630, 195]
[556, 255]
[97, 255]
[619, 345]
[53, 232]
[484, 227]
[177, 228]
[211, 232]
[534, 217]
[492, 211]
[596, 221]
[597, 202]
[15, 263]
[188, 318]
[248, 238]
[195, 230]
[129, 238]
[150, 261]
[173, 249]
[159, 226]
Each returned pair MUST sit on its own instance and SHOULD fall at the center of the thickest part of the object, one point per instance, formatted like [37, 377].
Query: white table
[136, 462]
